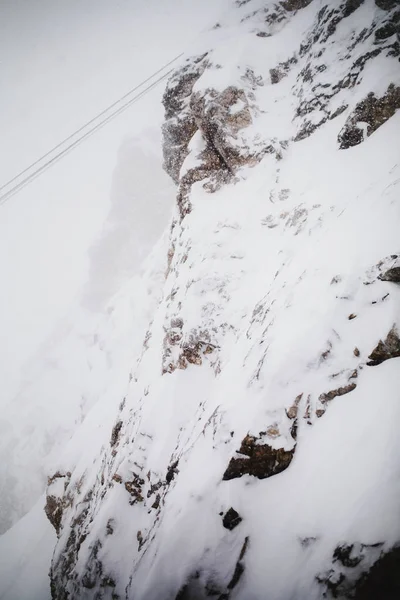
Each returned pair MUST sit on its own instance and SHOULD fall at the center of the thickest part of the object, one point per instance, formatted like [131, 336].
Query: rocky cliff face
[256, 452]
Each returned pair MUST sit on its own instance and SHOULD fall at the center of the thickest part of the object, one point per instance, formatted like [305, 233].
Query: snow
[345, 478]
[337, 488]
[25, 554]
[196, 146]
[70, 76]
[72, 242]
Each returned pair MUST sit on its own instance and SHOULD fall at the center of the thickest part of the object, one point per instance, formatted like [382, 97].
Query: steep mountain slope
[90, 353]
[61, 63]
[255, 454]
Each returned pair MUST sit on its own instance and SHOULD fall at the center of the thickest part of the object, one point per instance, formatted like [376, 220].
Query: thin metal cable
[5, 197]
[103, 112]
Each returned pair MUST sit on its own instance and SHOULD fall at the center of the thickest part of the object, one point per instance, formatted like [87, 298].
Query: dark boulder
[390, 348]
[231, 519]
[259, 460]
[392, 275]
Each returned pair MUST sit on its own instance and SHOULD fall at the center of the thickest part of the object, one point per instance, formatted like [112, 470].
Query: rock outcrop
[382, 580]
[180, 126]
[295, 4]
[389, 348]
[202, 135]
[57, 498]
[368, 116]
[258, 460]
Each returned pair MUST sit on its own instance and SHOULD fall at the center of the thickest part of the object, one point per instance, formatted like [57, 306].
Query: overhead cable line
[7, 195]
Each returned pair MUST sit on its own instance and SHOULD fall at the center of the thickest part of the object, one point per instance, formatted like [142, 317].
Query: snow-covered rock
[256, 452]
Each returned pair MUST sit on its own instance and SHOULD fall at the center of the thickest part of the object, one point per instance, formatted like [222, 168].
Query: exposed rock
[350, 6]
[221, 116]
[328, 396]
[134, 488]
[156, 502]
[373, 112]
[387, 4]
[307, 412]
[316, 94]
[94, 567]
[382, 580]
[177, 323]
[140, 539]
[272, 432]
[239, 568]
[253, 79]
[55, 500]
[326, 353]
[108, 582]
[343, 554]
[378, 271]
[392, 275]
[110, 526]
[291, 412]
[293, 429]
[186, 592]
[338, 111]
[199, 587]
[390, 348]
[64, 563]
[180, 350]
[179, 125]
[295, 4]
[281, 70]
[336, 279]
[191, 353]
[231, 519]
[172, 470]
[207, 125]
[53, 510]
[335, 584]
[350, 572]
[115, 433]
[154, 487]
[390, 27]
[209, 166]
[260, 460]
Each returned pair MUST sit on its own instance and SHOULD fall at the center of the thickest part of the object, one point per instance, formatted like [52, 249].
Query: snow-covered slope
[72, 242]
[91, 351]
[255, 452]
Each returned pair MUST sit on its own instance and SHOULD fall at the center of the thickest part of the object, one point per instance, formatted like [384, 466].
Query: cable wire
[22, 184]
